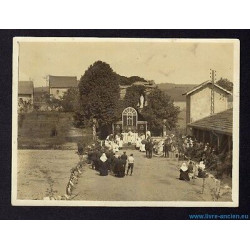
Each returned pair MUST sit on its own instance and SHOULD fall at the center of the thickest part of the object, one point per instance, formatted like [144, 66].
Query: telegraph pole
[213, 78]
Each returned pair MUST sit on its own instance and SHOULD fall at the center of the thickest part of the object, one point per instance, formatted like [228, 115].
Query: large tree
[69, 100]
[226, 84]
[99, 95]
[160, 107]
[132, 96]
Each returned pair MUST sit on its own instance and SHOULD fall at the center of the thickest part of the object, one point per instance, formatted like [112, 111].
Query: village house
[26, 91]
[25, 96]
[58, 85]
[206, 99]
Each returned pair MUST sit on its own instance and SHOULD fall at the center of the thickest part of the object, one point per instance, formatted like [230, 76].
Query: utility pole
[213, 78]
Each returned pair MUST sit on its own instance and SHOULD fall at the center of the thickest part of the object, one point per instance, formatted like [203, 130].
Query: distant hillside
[123, 80]
[166, 86]
[176, 91]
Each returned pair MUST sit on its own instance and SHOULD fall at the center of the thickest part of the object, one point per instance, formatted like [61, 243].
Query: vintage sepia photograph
[125, 122]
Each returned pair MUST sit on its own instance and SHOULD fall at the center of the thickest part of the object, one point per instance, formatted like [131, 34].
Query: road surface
[153, 179]
[42, 173]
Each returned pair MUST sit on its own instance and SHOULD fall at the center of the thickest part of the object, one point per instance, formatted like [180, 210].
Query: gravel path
[44, 173]
[153, 179]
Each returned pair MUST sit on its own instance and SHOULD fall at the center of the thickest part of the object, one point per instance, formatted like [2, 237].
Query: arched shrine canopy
[130, 122]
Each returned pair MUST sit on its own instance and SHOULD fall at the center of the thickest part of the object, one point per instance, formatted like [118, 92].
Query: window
[130, 120]
[129, 117]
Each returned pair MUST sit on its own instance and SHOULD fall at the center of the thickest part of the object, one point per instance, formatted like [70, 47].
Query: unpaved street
[42, 173]
[153, 179]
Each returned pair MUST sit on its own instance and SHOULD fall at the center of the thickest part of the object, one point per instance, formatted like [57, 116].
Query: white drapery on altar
[130, 137]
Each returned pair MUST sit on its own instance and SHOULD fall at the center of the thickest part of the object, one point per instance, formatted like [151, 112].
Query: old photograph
[125, 122]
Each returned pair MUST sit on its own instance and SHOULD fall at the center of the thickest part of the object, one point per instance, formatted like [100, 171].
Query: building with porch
[216, 130]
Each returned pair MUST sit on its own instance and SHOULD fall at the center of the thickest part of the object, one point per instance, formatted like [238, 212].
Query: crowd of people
[164, 147]
[196, 157]
[114, 143]
[106, 160]
[201, 157]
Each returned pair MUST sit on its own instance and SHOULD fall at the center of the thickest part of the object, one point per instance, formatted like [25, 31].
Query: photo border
[236, 108]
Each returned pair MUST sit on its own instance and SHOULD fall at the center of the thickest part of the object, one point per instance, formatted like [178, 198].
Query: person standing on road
[150, 149]
[120, 169]
[80, 151]
[124, 158]
[103, 165]
[165, 149]
[131, 161]
[147, 148]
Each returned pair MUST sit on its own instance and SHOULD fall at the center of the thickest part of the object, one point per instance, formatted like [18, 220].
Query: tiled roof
[25, 87]
[63, 81]
[221, 122]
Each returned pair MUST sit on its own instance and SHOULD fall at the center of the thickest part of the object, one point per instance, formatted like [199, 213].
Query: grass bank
[48, 130]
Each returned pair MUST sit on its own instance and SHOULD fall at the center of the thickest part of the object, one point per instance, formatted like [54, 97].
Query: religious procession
[136, 139]
[193, 158]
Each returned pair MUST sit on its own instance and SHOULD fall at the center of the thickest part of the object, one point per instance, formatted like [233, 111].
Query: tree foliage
[99, 95]
[226, 84]
[123, 80]
[70, 99]
[132, 96]
[160, 107]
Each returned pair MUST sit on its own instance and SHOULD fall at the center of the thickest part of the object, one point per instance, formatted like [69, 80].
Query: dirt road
[153, 179]
[42, 173]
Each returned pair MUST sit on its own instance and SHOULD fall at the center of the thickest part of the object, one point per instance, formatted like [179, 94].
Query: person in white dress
[142, 147]
[148, 134]
[138, 143]
[129, 138]
[120, 144]
[160, 146]
[143, 137]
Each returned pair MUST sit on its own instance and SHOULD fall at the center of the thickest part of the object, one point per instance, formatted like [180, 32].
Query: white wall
[200, 103]
[220, 101]
[58, 92]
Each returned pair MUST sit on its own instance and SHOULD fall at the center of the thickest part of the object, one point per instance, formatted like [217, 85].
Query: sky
[164, 62]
